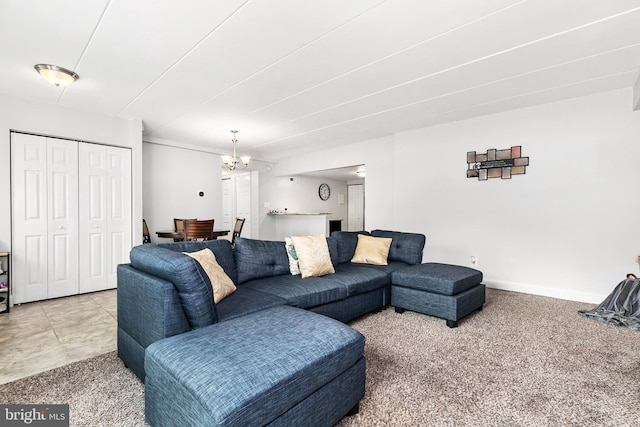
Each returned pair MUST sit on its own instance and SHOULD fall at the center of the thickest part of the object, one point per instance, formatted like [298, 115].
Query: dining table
[179, 235]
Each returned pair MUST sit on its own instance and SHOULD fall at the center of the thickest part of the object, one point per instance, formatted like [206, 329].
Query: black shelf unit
[5, 284]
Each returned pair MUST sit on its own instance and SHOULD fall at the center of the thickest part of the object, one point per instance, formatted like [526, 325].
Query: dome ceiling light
[56, 75]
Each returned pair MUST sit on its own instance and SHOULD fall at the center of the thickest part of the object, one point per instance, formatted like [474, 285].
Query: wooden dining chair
[198, 229]
[146, 236]
[237, 229]
[178, 225]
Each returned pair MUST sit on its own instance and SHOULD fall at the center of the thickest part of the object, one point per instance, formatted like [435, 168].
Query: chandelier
[232, 162]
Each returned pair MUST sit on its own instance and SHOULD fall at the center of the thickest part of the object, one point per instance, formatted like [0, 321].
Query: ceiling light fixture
[56, 75]
[232, 162]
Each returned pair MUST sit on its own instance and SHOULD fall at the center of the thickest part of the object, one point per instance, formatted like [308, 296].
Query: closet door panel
[93, 217]
[29, 217]
[119, 210]
[105, 214]
[62, 212]
[96, 260]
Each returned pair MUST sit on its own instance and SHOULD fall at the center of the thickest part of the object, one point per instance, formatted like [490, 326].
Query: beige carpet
[522, 361]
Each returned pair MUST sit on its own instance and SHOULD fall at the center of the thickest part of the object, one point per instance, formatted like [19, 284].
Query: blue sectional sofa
[166, 305]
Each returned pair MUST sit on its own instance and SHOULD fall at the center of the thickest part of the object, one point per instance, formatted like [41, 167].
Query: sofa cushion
[299, 292]
[386, 269]
[256, 259]
[191, 282]
[313, 254]
[405, 247]
[359, 279]
[444, 279]
[220, 248]
[246, 301]
[346, 244]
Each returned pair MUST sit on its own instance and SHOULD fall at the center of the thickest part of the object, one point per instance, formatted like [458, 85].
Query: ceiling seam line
[461, 90]
[172, 66]
[450, 111]
[86, 46]
[633, 70]
[427, 40]
[190, 147]
[266, 67]
[495, 54]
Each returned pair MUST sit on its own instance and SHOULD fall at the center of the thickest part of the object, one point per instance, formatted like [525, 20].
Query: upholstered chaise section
[268, 367]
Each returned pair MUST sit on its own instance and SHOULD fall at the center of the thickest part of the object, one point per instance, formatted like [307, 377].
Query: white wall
[568, 228]
[173, 179]
[62, 122]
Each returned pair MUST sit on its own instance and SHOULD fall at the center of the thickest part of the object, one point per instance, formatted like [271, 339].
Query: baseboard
[566, 294]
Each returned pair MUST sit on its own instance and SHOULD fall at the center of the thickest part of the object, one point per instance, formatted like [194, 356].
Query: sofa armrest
[149, 308]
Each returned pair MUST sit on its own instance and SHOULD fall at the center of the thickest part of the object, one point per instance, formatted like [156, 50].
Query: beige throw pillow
[221, 283]
[313, 255]
[372, 250]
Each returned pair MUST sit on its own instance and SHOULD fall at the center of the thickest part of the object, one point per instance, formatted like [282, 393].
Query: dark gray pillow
[333, 250]
[347, 241]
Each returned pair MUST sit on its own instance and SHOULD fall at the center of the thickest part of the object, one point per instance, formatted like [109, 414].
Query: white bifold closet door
[355, 212]
[105, 214]
[71, 216]
[45, 217]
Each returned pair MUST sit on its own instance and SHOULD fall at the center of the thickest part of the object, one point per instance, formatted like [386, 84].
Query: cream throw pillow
[221, 283]
[313, 255]
[372, 250]
[293, 256]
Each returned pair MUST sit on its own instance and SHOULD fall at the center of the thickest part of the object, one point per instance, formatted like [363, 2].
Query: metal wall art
[496, 163]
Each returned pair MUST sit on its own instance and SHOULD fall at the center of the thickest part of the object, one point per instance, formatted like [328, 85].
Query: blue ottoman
[442, 290]
[279, 366]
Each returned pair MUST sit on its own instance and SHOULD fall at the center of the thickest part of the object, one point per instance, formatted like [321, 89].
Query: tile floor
[38, 336]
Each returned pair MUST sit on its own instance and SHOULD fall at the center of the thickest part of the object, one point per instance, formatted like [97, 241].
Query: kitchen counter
[298, 213]
[300, 224]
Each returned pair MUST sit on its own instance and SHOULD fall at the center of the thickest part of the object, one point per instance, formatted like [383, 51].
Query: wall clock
[324, 191]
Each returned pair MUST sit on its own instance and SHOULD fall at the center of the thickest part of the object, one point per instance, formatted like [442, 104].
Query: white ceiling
[296, 76]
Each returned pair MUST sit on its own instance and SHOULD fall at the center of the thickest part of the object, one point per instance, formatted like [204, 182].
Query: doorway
[355, 212]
